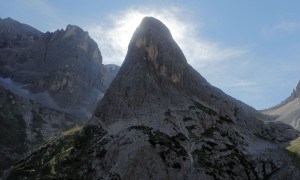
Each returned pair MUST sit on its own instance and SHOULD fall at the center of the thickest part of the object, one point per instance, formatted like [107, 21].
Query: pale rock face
[160, 119]
[288, 111]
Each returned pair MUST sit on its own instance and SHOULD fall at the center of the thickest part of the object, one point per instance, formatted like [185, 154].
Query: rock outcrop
[62, 70]
[160, 119]
[288, 111]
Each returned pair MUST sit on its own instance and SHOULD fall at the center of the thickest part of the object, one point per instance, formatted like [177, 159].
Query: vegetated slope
[160, 119]
[288, 111]
[25, 125]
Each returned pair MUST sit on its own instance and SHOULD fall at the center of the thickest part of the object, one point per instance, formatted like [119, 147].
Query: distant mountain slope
[25, 125]
[288, 111]
[62, 70]
[160, 119]
[112, 71]
[16, 34]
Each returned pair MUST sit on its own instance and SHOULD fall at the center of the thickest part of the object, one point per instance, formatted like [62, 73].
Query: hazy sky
[249, 49]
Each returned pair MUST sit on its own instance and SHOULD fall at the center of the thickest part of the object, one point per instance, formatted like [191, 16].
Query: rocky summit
[15, 34]
[288, 111]
[160, 119]
[61, 70]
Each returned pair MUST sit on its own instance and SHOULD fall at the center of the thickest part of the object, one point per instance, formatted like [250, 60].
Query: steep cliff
[62, 70]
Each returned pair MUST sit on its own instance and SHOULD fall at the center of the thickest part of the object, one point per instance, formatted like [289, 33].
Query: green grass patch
[51, 159]
[295, 158]
[294, 146]
[72, 131]
[294, 151]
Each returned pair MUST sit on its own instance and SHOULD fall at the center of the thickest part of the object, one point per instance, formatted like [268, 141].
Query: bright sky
[249, 49]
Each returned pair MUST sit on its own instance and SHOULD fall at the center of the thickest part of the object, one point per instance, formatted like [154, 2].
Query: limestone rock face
[62, 70]
[160, 119]
[288, 111]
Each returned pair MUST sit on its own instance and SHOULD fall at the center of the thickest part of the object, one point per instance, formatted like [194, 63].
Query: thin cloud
[113, 37]
[41, 7]
[288, 26]
[44, 14]
[281, 27]
[245, 86]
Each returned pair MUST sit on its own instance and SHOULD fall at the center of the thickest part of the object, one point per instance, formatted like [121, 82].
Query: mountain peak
[156, 71]
[72, 30]
[154, 47]
[149, 24]
[9, 19]
[294, 96]
[67, 64]
[298, 87]
[16, 34]
[73, 27]
[296, 92]
[151, 31]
